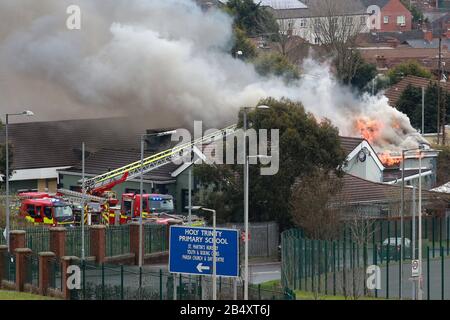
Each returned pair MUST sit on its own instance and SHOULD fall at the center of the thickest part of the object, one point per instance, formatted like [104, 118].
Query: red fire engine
[46, 210]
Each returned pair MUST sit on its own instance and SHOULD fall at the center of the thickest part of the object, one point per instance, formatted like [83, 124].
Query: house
[363, 162]
[307, 18]
[394, 16]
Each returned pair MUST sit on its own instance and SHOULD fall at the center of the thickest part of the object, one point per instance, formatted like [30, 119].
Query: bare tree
[314, 205]
[287, 42]
[336, 25]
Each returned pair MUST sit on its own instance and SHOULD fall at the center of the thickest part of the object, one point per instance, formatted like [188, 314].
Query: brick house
[394, 16]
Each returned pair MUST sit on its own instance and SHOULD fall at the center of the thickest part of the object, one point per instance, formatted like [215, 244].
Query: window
[48, 212]
[316, 40]
[302, 23]
[386, 19]
[62, 212]
[362, 20]
[401, 20]
[348, 21]
[31, 210]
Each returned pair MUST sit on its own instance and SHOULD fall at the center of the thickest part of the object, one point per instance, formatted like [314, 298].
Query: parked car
[392, 246]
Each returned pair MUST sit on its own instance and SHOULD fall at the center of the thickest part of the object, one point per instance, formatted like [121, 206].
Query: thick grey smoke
[159, 59]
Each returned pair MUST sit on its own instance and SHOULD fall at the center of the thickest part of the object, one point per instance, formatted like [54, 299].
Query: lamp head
[28, 113]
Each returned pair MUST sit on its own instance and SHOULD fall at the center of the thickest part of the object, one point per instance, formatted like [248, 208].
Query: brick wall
[393, 10]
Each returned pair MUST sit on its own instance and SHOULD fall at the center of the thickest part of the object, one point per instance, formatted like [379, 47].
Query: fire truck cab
[152, 205]
[47, 211]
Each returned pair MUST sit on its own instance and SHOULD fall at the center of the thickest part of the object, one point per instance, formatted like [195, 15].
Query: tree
[443, 165]
[314, 205]
[304, 145]
[242, 43]
[417, 14]
[362, 79]
[276, 64]
[286, 42]
[337, 31]
[410, 67]
[252, 18]
[410, 103]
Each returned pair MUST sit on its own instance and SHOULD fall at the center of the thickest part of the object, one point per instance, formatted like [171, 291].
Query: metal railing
[113, 282]
[155, 238]
[339, 266]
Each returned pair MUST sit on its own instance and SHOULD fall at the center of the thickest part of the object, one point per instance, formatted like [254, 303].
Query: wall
[22, 184]
[49, 185]
[367, 170]
[182, 185]
[307, 32]
[392, 10]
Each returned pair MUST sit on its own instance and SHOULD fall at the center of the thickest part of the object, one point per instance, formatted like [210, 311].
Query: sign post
[191, 251]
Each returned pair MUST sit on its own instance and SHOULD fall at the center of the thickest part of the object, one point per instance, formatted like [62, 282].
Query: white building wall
[304, 27]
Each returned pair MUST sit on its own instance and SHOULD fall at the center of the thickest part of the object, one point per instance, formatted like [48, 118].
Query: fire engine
[46, 210]
[100, 202]
[152, 205]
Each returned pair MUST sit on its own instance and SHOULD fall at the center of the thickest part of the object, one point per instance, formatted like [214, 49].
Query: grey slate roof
[423, 44]
[402, 37]
[350, 143]
[346, 7]
[58, 143]
[110, 159]
[380, 3]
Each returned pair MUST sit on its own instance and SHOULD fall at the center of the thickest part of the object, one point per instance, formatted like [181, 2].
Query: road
[390, 281]
[263, 272]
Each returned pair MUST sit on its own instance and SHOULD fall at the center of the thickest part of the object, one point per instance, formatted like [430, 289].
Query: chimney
[428, 35]
[381, 62]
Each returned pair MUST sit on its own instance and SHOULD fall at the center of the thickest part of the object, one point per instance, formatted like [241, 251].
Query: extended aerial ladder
[107, 181]
[97, 185]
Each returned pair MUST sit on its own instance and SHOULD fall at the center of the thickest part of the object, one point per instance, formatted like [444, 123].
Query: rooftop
[394, 92]
[58, 143]
[357, 190]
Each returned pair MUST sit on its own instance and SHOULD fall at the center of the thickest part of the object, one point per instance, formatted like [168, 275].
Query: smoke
[160, 60]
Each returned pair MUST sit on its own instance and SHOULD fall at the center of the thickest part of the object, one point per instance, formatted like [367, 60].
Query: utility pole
[439, 92]
[83, 202]
[423, 111]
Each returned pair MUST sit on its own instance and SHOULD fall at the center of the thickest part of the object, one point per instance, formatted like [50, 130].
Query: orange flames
[369, 129]
[389, 160]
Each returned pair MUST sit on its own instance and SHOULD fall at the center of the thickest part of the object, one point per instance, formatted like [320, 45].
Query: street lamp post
[214, 272]
[24, 113]
[418, 283]
[141, 186]
[246, 178]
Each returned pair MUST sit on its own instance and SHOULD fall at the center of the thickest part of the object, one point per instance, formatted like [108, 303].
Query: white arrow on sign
[201, 267]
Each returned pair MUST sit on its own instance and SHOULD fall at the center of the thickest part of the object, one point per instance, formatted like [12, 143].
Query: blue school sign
[190, 251]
